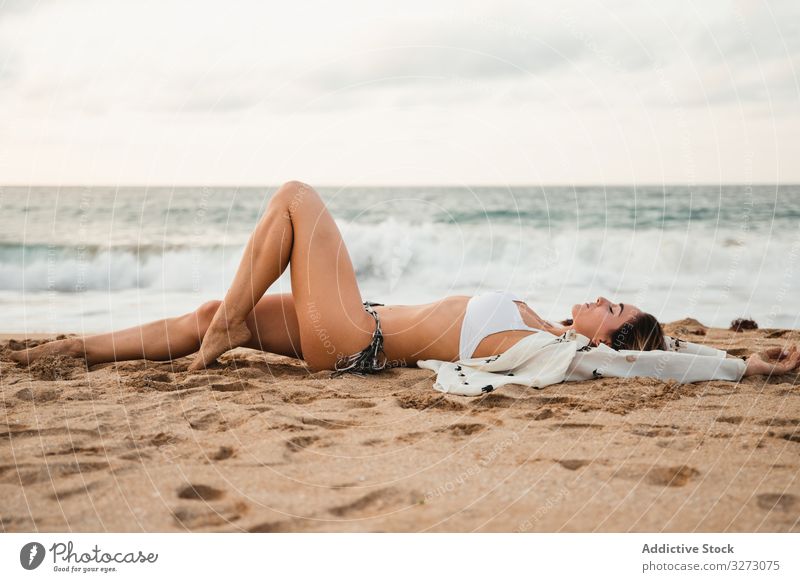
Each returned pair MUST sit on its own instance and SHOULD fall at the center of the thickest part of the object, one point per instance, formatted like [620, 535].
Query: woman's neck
[557, 328]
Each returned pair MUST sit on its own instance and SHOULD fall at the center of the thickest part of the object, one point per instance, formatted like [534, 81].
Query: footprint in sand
[425, 401]
[792, 436]
[76, 449]
[300, 443]
[83, 489]
[251, 373]
[196, 517]
[283, 526]
[216, 383]
[300, 397]
[45, 432]
[214, 420]
[411, 437]
[463, 428]
[784, 502]
[135, 456]
[83, 395]
[674, 476]
[576, 425]
[543, 414]
[11, 523]
[235, 386]
[372, 442]
[202, 380]
[289, 427]
[554, 399]
[223, 453]
[258, 409]
[657, 430]
[163, 439]
[730, 419]
[150, 378]
[38, 395]
[255, 399]
[376, 503]
[361, 404]
[780, 422]
[200, 492]
[495, 401]
[329, 423]
[677, 476]
[28, 474]
[573, 464]
[680, 444]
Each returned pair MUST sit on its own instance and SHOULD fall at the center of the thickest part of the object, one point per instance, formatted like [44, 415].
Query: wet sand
[260, 444]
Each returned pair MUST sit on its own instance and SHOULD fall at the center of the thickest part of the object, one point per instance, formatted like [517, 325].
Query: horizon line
[420, 185]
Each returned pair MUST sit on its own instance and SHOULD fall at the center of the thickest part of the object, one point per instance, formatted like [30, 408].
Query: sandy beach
[259, 444]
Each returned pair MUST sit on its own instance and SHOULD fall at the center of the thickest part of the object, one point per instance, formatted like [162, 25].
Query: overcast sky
[372, 92]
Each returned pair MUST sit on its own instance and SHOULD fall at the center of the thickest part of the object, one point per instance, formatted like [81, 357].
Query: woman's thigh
[273, 326]
[328, 302]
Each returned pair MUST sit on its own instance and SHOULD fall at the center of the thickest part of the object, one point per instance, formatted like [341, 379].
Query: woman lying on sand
[324, 322]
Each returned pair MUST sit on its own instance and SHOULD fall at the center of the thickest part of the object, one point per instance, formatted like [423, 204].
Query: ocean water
[91, 259]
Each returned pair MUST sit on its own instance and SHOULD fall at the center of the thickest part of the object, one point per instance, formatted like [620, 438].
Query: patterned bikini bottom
[371, 359]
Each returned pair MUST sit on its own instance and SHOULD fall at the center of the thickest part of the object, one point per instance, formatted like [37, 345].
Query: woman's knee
[293, 195]
[295, 185]
[206, 312]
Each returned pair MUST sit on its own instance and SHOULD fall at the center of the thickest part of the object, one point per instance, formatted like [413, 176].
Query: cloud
[445, 49]
[15, 6]
[90, 68]
[219, 63]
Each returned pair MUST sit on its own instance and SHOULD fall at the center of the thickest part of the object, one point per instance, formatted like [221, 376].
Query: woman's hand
[788, 359]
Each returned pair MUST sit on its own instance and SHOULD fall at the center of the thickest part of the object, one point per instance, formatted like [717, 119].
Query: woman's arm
[686, 347]
[685, 368]
[787, 361]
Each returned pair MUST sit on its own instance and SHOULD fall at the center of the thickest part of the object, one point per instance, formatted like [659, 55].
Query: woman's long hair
[643, 333]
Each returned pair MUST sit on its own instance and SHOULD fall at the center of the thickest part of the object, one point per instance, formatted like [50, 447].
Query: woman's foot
[220, 337]
[71, 347]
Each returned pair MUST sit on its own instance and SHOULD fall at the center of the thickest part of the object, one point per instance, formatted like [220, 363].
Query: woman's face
[600, 319]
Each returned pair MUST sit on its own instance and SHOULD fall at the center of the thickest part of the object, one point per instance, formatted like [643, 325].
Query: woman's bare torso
[433, 331]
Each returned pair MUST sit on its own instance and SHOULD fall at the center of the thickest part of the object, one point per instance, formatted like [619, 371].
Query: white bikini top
[488, 313]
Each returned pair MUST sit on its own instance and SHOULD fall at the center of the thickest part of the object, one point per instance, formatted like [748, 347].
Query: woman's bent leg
[274, 327]
[265, 257]
[298, 227]
[328, 302]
